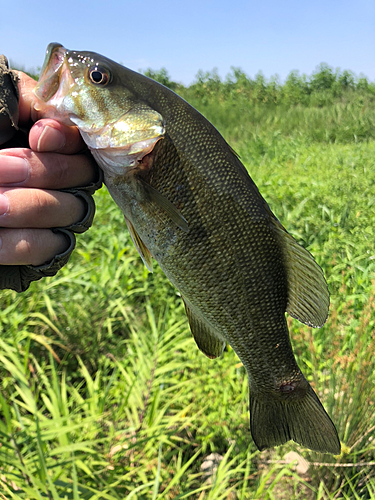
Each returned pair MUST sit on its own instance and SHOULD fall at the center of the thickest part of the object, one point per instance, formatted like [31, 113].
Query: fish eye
[99, 75]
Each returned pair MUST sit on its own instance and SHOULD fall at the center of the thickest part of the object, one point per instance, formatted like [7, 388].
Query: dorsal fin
[206, 340]
[308, 295]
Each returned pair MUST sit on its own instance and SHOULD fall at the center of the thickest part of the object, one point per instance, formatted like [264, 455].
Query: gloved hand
[47, 178]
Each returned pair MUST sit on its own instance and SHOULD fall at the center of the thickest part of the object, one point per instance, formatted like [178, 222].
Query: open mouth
[50, 74]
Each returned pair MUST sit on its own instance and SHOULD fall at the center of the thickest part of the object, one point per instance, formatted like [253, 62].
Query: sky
[271, 36]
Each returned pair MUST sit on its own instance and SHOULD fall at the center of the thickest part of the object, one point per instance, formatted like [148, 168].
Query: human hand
[31, 180]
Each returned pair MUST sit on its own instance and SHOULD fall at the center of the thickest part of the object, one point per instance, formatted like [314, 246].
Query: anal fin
[140, 246]
[206, 340]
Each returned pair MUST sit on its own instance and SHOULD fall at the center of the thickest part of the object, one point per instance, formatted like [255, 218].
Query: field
[103, 392]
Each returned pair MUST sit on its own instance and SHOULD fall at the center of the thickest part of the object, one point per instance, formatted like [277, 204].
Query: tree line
[324, 86]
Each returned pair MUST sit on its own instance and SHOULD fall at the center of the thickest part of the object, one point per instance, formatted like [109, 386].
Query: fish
[190, 204]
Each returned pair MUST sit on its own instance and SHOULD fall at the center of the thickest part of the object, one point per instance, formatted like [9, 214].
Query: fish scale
[189, 203]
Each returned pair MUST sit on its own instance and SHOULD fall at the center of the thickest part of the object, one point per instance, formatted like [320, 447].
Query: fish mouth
[50, 75]
[55, 81]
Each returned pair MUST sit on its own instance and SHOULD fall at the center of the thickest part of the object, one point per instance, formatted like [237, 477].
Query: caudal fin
[305, 421]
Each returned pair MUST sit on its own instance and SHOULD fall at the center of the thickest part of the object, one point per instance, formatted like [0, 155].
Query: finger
[26, 85]
[38, 208]
[30, 246]
[50, 135]
[61, 138]
[26, 168]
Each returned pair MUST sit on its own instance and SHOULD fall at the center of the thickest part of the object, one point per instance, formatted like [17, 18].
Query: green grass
[103, 393]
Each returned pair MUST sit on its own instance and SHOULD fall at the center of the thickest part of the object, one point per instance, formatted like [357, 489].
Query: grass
[103, 393]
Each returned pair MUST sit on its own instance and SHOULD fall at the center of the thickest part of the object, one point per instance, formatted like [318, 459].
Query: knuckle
[62, 172]
[39, 201]
[24, 246]
[35, 246]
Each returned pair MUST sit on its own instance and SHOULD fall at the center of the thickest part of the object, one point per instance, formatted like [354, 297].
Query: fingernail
[4, 204]
[50, 139]
[13, 169]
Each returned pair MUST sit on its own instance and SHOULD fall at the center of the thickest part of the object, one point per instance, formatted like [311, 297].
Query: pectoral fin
[140, 246]
[206, 340]
[308, 295]
[168, 207]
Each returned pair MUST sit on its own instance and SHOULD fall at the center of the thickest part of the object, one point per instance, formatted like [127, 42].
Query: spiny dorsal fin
[207, 341]
[140, 246]
[308, 295]
[168, 207]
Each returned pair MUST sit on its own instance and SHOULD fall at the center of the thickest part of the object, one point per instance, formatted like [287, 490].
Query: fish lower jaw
[114, 165]
[117, 161]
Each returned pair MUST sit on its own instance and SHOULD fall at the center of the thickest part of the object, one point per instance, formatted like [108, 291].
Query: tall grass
[103, 393]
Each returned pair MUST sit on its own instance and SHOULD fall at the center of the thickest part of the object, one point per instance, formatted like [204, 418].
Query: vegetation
[103, 393]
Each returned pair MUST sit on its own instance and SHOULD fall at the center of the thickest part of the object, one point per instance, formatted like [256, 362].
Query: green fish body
[189, 203]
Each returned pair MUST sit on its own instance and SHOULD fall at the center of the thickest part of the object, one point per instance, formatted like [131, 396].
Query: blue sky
[273, 36]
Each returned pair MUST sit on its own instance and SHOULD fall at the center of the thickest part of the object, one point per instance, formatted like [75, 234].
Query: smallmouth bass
[190, 204]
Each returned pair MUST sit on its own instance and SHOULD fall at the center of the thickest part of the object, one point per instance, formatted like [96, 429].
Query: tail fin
[303, 420]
